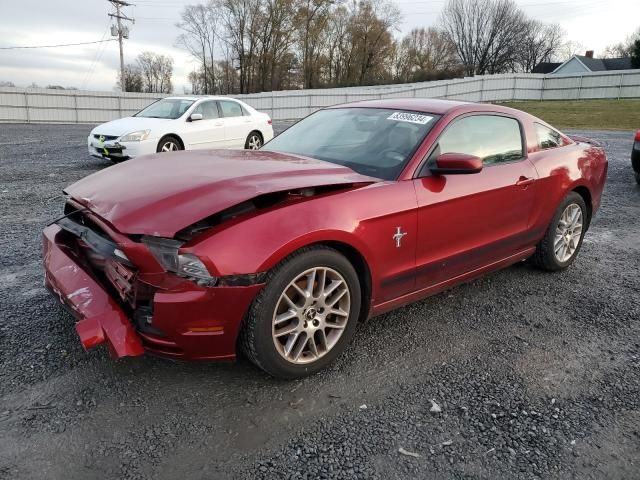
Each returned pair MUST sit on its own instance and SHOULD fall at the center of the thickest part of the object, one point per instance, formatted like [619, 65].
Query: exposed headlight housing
[185, 265]
[136, 136]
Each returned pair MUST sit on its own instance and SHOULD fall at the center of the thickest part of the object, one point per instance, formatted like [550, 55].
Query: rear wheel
[562, 241]
[169, 144]
[254, 141]
[305, 316]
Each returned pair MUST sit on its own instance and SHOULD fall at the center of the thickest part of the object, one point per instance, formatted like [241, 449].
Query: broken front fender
[101, 320]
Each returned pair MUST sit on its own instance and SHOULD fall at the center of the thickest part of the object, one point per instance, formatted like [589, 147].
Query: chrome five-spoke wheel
[170, 147]
[311, 315]
[254, 142]
[169, 143]
[568, 233]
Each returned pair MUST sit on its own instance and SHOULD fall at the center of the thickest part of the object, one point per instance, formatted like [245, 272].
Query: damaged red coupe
[351, 212]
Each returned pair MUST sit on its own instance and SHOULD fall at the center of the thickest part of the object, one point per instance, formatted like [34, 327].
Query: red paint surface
[101, 317]
[457, 226]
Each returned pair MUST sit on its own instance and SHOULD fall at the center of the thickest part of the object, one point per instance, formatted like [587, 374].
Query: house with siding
[586, 63]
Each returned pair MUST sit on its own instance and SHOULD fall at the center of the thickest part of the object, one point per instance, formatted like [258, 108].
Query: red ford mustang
[353, 211]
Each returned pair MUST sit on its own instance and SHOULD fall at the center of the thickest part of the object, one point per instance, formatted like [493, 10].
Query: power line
[59, 45]
[96, 57]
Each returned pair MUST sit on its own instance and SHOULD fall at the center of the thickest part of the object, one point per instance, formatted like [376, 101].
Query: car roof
[199, 97]
[430, 105]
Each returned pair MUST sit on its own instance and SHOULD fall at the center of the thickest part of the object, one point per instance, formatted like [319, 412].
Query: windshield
[372, 141]
[171, 108]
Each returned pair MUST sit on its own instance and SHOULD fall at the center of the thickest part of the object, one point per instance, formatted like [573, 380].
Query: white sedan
[182, 123]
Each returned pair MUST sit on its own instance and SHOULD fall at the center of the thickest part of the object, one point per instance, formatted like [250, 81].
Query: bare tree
[311, 21]
[372, 24]
[541, 43]
[424, 53]
[241, 22]
[199, 24]
[276, 35]
[156, 71]
[622, 49]
[486, 33]
[132, 81]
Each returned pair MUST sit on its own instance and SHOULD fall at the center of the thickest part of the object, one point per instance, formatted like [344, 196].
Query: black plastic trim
[99, 244]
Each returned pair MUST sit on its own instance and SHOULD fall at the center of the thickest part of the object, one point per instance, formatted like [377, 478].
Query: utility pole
[121, 32]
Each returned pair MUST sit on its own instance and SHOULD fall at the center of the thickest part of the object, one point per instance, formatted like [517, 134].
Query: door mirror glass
[195, 116]
[456, 163]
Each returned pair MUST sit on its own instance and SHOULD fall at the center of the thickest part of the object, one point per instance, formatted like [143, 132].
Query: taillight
[638, 136]
[269, 123]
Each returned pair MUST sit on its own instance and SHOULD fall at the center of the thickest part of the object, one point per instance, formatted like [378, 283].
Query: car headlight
[136, 136]
[185, 265]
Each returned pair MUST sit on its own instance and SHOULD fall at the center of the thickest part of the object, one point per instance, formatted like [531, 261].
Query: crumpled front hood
[164, 193]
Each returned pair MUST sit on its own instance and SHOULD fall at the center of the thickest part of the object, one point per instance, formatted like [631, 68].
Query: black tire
[545, 257]
[254, 141]
[256, 341]
[169, 140]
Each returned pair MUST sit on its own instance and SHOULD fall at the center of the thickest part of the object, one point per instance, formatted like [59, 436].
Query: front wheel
[562, 241]
[169, 144]
[253, 142]
[305, 316]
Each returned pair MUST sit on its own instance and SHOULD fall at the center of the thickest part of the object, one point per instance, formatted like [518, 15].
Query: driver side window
[493, 138]
[209, 110]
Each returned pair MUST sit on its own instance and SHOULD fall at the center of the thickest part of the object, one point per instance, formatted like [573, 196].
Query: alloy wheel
[568, 233]
[311, 315]
[255, 142]
[169, 147]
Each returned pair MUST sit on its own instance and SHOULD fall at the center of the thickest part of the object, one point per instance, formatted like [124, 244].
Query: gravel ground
[533, 375]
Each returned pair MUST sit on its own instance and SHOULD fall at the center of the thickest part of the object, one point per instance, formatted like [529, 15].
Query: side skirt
[439, 287]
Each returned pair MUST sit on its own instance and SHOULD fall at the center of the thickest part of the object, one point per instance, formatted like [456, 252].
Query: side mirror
[456, 163]
[195, 116]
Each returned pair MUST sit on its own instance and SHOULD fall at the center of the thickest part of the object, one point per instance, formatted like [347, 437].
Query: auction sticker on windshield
[410, 117]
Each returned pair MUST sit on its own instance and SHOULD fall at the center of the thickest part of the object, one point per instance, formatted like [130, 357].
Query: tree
[635, 54]
[199, 24]
[7, 84]
[425, 54]
[541, 43]
[371, 35]
[622, 49]
[133, 81]
[311, 21]
[487, 33]
[156, 71]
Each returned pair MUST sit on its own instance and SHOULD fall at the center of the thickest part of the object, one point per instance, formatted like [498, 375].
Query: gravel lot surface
[522, 374]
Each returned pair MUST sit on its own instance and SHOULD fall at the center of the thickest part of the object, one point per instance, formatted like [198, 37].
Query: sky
[591, 24]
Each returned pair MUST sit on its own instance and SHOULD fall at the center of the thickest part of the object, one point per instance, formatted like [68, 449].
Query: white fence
[36, 105]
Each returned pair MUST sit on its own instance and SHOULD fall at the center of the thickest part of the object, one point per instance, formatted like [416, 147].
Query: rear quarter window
[548, 137]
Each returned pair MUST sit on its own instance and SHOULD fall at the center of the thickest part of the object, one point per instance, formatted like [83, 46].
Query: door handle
[524, 181]
[219, 124]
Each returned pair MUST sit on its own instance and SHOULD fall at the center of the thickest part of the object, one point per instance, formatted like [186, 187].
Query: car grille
[105, 137]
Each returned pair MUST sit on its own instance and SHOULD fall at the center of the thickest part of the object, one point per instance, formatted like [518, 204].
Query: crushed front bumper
[178, 319]
[100, 318]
